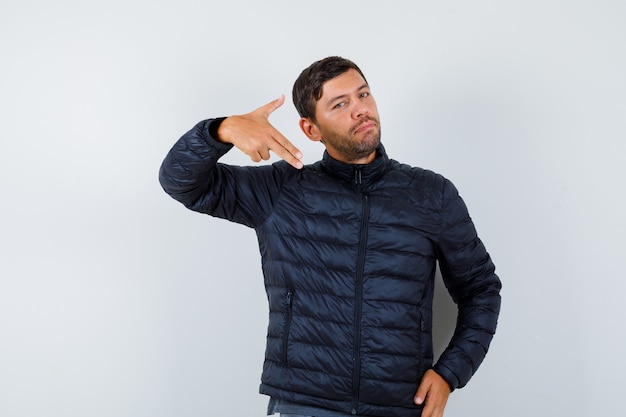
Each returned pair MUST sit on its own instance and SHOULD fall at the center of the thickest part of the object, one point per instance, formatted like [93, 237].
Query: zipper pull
[289, 298]
[357, 176]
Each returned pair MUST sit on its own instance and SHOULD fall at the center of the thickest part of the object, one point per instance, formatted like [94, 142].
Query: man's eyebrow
[364, 85]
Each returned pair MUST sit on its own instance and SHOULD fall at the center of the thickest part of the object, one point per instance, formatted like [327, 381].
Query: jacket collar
[357, 174]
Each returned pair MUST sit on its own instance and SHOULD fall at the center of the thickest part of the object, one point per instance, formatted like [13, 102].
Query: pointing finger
[287, 151]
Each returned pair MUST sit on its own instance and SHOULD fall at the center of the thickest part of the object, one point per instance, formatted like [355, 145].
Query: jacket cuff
[209, 132]
[448, 376]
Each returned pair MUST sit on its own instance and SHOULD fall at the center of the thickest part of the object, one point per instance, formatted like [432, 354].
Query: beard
[350, 147]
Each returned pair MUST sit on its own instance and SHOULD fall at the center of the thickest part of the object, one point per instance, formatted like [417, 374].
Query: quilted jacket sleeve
[191, 174]
[469, 275]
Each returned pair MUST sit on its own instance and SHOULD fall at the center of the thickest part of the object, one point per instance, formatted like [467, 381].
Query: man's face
[347, 119]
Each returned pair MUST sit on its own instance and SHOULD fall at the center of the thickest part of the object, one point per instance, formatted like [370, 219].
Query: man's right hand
[254, 135]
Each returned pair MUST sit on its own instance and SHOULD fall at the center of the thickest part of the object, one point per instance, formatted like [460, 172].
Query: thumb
[422, 392]
[270, 107]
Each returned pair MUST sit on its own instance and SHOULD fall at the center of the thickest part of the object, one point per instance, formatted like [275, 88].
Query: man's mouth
[365, 126]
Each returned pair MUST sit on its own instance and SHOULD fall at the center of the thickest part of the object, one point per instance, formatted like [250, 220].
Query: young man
[349, 247]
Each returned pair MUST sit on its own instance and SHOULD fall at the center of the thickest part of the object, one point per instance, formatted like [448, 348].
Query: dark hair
[307, 89]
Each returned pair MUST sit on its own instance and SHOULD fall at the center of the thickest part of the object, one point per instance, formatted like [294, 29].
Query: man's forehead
[343, 84]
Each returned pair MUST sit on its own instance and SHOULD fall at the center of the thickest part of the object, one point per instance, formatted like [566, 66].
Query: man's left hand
[433, 392]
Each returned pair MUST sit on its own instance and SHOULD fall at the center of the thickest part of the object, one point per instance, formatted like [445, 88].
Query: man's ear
[310, 129]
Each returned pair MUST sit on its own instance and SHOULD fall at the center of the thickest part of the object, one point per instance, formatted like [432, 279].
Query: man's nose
[360, 110]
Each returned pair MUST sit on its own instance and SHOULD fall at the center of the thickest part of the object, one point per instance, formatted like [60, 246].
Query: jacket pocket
[420, 355]
[287, 327]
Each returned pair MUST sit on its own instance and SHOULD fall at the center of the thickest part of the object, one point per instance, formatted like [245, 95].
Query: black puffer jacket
[349, 255]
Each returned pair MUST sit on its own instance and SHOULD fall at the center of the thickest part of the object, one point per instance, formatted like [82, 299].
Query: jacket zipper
[356, 375]
[287, 325]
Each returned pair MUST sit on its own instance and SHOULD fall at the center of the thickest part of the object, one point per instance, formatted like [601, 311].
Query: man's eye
[339, 105]
[364, 94]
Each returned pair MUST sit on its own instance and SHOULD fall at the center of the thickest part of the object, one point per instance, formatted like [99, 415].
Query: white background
[116, 301]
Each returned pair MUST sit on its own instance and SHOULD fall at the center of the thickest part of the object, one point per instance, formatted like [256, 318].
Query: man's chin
[371, 142]
[368, 147]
